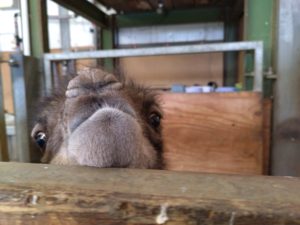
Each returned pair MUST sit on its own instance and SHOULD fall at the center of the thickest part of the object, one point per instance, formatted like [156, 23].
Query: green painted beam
[170, 17]
[230, 58]
[259, 25]
[85, 9]
[38, 27]
[107, 42]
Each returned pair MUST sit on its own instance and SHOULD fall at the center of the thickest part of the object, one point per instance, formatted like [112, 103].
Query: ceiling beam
[86, 10]
[237, 9]
[153, 6]
[107, 5]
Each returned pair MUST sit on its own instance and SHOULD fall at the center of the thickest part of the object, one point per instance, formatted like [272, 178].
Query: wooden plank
[7, 84]
[215, 132]
[48, 194]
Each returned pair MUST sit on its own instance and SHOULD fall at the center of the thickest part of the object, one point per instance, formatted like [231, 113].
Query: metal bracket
[11, 62]
[267, 75]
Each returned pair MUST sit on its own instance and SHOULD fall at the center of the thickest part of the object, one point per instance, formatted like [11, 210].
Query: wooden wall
[215, 132]
[163, 71]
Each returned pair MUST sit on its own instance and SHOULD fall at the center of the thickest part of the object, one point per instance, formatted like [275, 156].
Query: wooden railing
[48, 194]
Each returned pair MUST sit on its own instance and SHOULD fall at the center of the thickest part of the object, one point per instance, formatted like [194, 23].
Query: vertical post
[68, 66]
[3, 137]
[25, 27]
[230, 58]
[64, 29]
[20, 105]
[38, 27]
[26, 91]
[259, 26]
[48, 76]
[286, 123]
[108, 43]
[258, 67]
[38, 24]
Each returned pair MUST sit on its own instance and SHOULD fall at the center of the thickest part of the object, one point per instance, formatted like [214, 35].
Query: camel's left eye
[41, 139]
[155, 120]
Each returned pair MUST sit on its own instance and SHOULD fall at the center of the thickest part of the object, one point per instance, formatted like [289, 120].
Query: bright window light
[6, 3]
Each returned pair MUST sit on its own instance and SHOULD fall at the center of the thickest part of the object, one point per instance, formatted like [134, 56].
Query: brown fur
[101, 121]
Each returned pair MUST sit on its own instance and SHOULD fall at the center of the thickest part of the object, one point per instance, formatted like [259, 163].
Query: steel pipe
[256, 46]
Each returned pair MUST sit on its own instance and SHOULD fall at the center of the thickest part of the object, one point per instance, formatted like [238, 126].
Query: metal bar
[38, 27]
[258, 67]
[172, 50]
[286, 120]
[255, 46]
[25, 26]
[26, 83]
[20, 104]
[85, 9]
[48, 75]
[64, 29]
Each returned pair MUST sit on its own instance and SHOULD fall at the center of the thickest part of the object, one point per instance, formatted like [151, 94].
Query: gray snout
[108, 138]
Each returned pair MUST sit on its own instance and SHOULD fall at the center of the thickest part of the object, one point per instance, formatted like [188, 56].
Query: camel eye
[155, 120]
[41, 139]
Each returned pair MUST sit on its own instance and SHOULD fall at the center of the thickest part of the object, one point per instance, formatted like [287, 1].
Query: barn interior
[228, 76]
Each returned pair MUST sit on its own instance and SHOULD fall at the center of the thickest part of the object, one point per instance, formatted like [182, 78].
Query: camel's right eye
[155, 120]
[41, 139]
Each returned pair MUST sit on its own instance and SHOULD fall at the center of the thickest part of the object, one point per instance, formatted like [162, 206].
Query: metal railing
[255, 46]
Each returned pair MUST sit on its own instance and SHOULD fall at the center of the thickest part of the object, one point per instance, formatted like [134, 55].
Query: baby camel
[102, 121]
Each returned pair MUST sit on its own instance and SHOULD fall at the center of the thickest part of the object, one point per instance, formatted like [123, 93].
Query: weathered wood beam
[85, 9]
[48, 194]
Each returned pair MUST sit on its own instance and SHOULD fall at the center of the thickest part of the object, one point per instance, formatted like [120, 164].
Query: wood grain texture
[49, 194]
[7, 83]
[164, 71]
[214, 132]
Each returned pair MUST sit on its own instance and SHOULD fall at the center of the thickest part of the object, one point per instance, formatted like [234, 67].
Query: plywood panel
[215, 132]
[163, 71]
